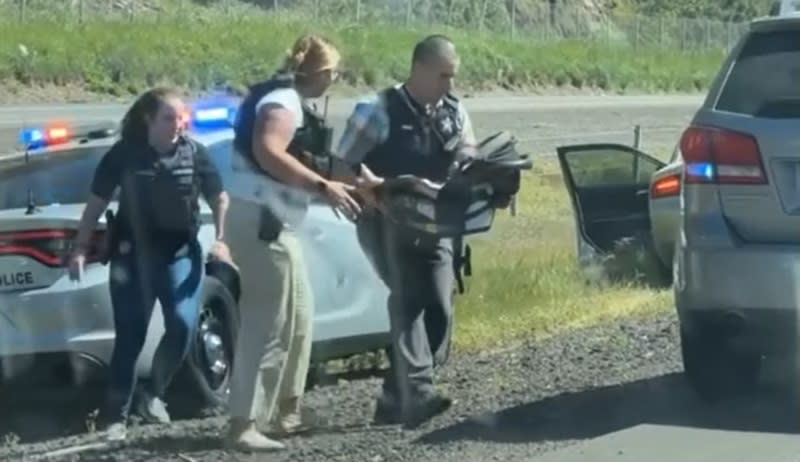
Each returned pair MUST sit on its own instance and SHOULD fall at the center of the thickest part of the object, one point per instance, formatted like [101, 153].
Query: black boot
[423, 408]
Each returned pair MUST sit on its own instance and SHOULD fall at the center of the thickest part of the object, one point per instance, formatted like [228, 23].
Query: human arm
[274, 129]
[468, 145]
[107, 177]
[366, 128]
[212, 190]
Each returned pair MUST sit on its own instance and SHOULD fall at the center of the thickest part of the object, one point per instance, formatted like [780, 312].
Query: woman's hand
[77, 260]
[221, 252]
[338, 195]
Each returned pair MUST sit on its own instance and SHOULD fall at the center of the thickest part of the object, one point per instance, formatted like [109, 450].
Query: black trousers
[418, 270]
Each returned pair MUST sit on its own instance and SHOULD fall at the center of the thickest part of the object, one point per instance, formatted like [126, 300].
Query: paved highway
[541, 122]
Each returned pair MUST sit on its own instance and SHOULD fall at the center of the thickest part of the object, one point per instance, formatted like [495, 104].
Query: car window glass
[60, 177]
[765, 79]
[609, 166]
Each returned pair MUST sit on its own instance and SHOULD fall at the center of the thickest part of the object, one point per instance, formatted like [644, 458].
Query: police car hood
[58, 216]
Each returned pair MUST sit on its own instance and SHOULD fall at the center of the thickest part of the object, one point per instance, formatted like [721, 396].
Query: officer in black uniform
[416, 128]
[154, 251]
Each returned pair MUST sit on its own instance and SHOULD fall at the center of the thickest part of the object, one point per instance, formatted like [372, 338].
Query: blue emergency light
[40, 137]
[218, 113]
[704, 170]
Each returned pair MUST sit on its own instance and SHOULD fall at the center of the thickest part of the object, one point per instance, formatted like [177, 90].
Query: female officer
[277, 129]
[154, 253]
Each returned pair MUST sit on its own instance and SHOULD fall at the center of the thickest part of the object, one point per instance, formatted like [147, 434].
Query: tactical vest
[280, 205]
[418, 144]
[171, 191]
[313, 137]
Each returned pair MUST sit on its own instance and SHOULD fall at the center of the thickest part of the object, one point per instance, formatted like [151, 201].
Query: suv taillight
[713, 155]
[48, 246]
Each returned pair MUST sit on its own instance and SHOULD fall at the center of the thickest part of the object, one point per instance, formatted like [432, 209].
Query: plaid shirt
[368, 126]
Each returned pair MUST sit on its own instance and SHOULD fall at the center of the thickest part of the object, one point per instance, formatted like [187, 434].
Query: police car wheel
[202, 387]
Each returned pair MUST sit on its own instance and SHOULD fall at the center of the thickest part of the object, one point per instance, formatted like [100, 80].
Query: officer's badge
[446, 125]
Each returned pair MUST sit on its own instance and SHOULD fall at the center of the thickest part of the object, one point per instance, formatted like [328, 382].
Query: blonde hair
[311, 53]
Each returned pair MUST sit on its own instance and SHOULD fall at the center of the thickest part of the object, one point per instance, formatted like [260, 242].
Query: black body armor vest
[314, 137]
[418, 144]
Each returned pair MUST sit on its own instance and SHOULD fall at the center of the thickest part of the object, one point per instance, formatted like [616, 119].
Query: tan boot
[243, 436]
[289, 420]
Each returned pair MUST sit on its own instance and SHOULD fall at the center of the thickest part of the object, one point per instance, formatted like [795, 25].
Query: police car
[46, 319]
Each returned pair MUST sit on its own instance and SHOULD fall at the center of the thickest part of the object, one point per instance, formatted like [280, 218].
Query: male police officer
[416, 128]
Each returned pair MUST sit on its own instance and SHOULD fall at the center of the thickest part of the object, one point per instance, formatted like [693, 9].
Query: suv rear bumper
[749, 295]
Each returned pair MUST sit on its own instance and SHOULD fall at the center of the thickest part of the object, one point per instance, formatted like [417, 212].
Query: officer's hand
[366, 184]
[367, 179]
[338, 195]
[221, 252]
[76, 263]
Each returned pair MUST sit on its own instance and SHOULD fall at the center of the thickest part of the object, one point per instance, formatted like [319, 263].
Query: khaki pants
[274, 344]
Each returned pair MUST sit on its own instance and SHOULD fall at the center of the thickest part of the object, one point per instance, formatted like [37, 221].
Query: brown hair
[311, 53]
[134, 123]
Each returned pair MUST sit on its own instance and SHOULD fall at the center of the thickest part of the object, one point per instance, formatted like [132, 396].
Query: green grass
[526, 280]
[123, 57]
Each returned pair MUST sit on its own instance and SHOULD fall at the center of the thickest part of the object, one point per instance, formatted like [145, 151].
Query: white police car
[45, 316]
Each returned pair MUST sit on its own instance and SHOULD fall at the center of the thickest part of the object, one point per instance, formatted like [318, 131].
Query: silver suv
[723, 213]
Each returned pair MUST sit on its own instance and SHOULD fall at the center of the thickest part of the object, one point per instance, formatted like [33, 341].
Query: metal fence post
[637, 136]
[513, 18]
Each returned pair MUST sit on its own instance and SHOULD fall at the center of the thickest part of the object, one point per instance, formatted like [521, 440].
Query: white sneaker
[117, 431]
[154, 410]
[243, 436]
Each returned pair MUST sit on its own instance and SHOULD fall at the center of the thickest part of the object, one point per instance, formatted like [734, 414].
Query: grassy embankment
[123, 57]
[526, 279]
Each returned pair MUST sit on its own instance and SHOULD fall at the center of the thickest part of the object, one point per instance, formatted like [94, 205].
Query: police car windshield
[61, 177]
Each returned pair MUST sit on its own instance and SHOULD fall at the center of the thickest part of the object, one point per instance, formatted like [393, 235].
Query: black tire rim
[214, 353]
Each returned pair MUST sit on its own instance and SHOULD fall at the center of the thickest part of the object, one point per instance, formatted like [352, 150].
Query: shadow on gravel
[34, 412]
[180, 444]
[664, 400]
[39, 413]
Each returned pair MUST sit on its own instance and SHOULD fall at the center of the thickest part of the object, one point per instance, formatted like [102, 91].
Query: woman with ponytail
[274, 131]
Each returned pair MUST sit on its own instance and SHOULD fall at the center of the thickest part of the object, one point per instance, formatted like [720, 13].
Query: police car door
[350, 299]
[609, 187]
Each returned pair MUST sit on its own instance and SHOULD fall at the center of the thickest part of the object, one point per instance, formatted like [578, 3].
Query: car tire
[201, 387]
[714, 370]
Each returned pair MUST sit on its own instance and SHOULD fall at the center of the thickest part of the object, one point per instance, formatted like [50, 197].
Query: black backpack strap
[462, 261]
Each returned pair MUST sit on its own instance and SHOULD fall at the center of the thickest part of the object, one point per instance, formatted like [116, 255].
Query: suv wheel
[202, 385]
[716, 371]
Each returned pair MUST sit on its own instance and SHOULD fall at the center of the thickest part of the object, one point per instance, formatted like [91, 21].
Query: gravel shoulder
[511, 405]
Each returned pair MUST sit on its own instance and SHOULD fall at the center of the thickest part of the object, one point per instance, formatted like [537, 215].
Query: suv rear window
[62, 177]
[765, 79]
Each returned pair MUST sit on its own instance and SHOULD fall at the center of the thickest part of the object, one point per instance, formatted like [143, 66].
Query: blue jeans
[137, 279]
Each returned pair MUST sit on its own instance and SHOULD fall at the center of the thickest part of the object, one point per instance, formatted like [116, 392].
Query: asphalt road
[540, 122]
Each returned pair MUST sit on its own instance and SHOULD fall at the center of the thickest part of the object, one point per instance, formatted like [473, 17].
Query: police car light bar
[40, 137]
[212, 114]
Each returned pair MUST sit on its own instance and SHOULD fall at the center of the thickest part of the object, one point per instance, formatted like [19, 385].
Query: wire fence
[520, 19]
